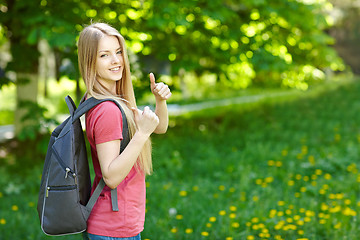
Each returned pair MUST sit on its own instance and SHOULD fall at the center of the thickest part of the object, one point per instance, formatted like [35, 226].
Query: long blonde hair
[87, 52]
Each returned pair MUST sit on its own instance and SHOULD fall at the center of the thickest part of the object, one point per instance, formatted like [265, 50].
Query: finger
[152, 81]
[163, 90]
[136, 113]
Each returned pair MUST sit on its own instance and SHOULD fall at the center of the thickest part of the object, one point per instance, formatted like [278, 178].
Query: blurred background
[265, 90]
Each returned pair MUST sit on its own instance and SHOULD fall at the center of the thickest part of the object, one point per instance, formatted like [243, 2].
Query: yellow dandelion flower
[337, 226]
[278, 237]
[232, 208]
[297, 217]
[300, 222]
[232, 215]
[281, 203]
[280, 213]
[284, 152]
[235, 225]
[248, 224]
[250, 237]
[212, 219]
[349, 212]
[278, 163]
[311, 159]
[272, 213]
[174, 230]
[189, 231]
[318, 172]
[208, 225]
[232, 189]
[255, 198]
[269, 179]
[306, 178]
[302, 239]
[339, 196]
[14, 208]
[255, 227]
[229, 238]
[298, 176]
[195, 188]
[322, 221]
[205, 234]
[297, 195]
[216, 195]
[327, 176]
[222, 213]
[271, 163]
[291, 183]
[221, 187]
[322, 191]
[2, 221]
[183, 193]
[347, 201]
[179, 217]
[258, 181]
[255, 220]
[301, 232]
[307, 219]
[288, 211]
[261, 225]
[31, 204]
[303, 189]
[337, 137]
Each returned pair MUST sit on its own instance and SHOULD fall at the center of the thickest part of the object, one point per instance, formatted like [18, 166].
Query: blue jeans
[89, 236]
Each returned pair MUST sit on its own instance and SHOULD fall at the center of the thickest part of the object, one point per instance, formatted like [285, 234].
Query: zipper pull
[67, 172]
[47, 191]
[75, 178]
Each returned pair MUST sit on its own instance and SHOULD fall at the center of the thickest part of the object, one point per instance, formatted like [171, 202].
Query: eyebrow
[109, 50]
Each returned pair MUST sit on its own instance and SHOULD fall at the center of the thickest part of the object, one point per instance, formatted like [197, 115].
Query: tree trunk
[26, 90]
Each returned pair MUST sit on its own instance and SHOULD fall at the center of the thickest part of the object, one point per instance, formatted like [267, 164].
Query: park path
[7, 131]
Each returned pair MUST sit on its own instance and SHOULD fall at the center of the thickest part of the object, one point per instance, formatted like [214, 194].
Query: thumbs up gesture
[160, 90]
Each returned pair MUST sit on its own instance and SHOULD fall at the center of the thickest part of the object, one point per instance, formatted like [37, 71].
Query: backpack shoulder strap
[86, 105]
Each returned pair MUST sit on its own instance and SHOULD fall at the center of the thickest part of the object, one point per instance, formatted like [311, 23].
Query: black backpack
[64, 203]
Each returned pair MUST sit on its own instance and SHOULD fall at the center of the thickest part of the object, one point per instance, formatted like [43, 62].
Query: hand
[160, 90]
[146, 121]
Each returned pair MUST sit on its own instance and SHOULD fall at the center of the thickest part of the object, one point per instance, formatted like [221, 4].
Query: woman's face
[109, 62]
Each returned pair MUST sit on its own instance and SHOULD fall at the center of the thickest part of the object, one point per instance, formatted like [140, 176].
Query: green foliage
[243, 43]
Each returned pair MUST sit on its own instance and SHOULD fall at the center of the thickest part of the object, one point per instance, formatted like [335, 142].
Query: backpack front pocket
[62, 213]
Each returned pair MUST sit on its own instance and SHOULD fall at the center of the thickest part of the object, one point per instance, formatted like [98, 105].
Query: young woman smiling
[104, 66]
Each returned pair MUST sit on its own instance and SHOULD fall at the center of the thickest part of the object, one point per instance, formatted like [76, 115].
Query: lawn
[285, 170]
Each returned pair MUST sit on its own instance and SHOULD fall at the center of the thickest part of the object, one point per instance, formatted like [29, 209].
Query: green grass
[284, 170]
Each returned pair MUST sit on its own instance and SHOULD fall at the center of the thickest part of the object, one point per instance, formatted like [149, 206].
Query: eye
[103, 55]
[119, 52]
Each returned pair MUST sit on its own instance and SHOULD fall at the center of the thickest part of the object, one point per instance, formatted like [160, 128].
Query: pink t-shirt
[103, 124]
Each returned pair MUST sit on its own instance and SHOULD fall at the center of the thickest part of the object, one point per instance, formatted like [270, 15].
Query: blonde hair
[87, 52]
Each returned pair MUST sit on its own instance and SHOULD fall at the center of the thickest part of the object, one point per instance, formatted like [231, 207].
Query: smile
[115, 69]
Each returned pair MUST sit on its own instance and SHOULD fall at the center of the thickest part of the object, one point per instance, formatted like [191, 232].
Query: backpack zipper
[67, 169]
[59, 188]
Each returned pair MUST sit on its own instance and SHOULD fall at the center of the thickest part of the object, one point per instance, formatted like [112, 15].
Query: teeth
[115, 69]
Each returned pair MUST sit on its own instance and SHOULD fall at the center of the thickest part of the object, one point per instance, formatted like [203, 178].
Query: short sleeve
[105, 122]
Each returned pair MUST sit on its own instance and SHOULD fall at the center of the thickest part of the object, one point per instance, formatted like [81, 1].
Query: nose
[115, 59]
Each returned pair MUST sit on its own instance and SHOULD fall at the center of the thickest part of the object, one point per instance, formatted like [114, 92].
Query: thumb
[152, 81]
[136, 113]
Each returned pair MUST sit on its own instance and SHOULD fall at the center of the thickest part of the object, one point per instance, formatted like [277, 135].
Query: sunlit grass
[283, 170]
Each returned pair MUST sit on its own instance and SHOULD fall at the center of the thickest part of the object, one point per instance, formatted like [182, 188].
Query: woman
[104, 66]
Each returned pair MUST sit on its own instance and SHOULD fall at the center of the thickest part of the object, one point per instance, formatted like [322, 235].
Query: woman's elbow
[161, 131]
[110, 182]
